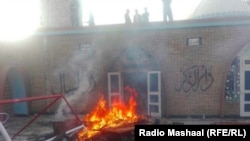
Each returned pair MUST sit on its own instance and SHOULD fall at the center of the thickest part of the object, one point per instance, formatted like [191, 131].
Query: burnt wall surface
[75, 62]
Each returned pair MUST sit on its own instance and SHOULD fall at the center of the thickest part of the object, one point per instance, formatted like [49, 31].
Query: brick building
[193, 67]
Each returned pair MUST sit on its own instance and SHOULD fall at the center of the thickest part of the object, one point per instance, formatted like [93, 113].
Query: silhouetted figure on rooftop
[137, 17]
[75, 15]
[127, 17]
[91, 19]
[167, 11]
[145, 16]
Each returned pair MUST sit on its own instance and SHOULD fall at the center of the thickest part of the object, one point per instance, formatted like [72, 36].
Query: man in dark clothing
[127, 17]
[167, 11]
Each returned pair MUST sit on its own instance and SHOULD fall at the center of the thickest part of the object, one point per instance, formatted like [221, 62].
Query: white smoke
[85, 62]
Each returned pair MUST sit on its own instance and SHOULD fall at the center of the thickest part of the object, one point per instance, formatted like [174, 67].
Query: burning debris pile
[119, 115]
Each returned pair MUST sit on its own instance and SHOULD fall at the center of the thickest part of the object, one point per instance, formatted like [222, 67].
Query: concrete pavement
[43, 126]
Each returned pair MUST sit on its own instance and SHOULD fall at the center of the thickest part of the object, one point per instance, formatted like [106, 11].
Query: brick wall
[47, 58]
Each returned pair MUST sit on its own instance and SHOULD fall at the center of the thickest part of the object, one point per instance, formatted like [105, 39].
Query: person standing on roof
[145, 16]
[167, 11]
[127, 17]
[137, 17]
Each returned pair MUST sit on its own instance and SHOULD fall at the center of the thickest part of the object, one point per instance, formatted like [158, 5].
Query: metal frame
[113, 94]
[244, 67]
[154, 93]
[56, 98]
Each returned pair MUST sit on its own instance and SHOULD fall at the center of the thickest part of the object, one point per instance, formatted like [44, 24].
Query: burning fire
[119, 114]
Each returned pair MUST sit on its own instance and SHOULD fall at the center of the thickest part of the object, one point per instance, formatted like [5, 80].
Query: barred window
[232, 89]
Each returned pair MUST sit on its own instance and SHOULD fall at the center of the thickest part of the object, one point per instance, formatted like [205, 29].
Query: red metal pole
[74, 113]
[8, 101]
[57, 96]
[35, 117]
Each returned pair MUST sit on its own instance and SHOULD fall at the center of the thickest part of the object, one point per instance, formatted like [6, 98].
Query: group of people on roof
[144, 18]
[137, 18]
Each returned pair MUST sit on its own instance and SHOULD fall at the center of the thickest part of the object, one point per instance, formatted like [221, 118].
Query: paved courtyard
[43, 126]
[38, 128]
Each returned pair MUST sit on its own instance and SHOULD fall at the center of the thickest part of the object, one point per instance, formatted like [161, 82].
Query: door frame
[118, 93]
[243, 68]
[150, 93]
[156, 93]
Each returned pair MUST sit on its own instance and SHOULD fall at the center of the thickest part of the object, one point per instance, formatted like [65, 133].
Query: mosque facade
[194, 67]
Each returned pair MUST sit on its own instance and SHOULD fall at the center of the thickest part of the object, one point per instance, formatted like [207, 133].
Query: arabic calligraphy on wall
[70, 82]
[196, 78]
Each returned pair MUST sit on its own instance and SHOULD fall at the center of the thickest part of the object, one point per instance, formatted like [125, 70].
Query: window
[232, 90]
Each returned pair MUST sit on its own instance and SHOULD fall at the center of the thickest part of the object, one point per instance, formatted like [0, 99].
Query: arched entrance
[17, 87]
[244, 59]
[238, 81]
[136, 68]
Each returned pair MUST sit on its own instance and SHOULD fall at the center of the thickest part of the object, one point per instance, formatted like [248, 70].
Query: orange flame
[117, 115]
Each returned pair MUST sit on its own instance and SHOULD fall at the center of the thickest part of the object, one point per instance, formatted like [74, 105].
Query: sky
[20, 18]
[112, 11]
